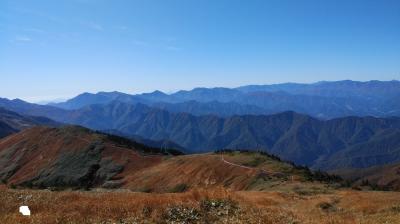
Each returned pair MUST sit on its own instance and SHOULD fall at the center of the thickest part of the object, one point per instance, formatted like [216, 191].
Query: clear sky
[60, 48]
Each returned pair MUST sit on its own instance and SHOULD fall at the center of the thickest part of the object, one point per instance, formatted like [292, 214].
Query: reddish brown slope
[74, 157]
[207, 170]
[381, 177]
[65, 157]
[77, 157]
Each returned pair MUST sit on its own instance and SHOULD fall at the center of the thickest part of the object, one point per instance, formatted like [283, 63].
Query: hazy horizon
[58, 49]
[65, 98]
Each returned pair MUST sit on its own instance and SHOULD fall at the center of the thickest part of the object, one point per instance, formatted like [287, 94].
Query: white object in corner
[24, 210]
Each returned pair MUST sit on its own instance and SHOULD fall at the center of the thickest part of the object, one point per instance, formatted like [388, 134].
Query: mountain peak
[158, 93]
[18, 100]
[84, 94]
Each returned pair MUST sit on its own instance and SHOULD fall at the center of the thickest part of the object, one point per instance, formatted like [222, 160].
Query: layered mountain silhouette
[11, 122]
[201, 120]
[342, 142]
[30, 109]
[322, 99]
[162, 144]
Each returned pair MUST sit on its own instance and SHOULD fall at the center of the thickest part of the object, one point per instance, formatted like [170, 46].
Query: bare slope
[378, 177]
[74, 157]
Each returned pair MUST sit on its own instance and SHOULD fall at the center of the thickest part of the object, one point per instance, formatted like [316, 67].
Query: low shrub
[179, 188]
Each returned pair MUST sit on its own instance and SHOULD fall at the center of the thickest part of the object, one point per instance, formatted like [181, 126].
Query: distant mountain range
[322, 99]
[342, 142]
[11, 122]
[203, 120]
[162, 144]
[337, 143]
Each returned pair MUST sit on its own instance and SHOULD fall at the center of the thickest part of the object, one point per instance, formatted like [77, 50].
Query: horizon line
[64, 98]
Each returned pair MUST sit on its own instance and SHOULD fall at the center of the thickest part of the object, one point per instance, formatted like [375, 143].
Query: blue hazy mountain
[323, 99]
[325, 144]
[203, 120]
[12, 122]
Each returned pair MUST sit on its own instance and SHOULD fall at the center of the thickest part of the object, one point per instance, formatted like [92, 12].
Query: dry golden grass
[252, 207]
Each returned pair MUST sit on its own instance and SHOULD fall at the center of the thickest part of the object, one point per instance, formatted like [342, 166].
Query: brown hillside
[65, 157]
[74, 157]
[380, 177]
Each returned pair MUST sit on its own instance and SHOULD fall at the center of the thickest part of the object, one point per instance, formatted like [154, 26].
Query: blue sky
[57, 49]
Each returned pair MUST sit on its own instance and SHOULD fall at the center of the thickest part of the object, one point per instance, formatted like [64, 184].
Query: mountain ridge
[12, 122]
[321, 99]
[78, 158]
[292, 136]
[321, 142]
